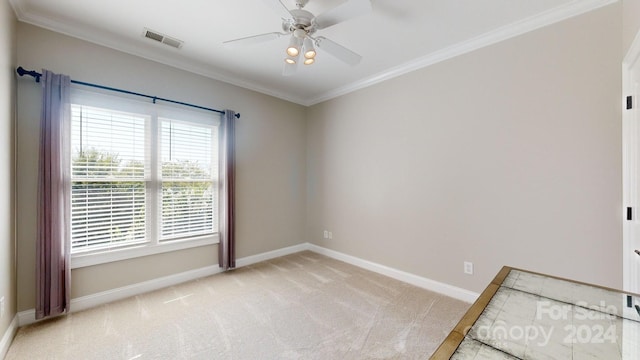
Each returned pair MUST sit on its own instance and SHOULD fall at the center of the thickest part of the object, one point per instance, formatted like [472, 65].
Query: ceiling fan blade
[340, 13]
[279, 8]
[338, 51]
[255, 39]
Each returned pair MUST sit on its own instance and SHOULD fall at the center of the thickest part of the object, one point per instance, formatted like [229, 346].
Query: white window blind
[108, 195]
[189, 167]
[144, 178]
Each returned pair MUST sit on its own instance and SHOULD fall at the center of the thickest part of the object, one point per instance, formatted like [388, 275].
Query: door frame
[631, 172]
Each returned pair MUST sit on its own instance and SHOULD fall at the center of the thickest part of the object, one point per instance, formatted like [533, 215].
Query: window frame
[153, 182]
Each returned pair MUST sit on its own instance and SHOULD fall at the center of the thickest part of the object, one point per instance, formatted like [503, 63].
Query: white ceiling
[397, 37]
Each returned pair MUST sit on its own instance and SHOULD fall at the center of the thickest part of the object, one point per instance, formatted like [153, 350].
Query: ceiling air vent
[159, 37]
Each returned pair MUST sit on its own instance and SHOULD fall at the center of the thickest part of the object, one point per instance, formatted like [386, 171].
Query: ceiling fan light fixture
[294, 46]
[301, 27]
[292, 51]
[309, 51]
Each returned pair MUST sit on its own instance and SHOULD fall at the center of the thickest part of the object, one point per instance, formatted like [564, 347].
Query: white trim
[85, 302]
[629, 162]
[249, 260]
[442, 288]
[500, 34]
[28, 316]
[98, 37]
[90, 259]
[627, 198]
[7, 338]
[535, 22]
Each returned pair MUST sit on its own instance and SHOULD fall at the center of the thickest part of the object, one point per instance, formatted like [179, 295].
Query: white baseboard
[432, 285]
[28, 316]
[85, 302]
[271, 255]
[8, 337]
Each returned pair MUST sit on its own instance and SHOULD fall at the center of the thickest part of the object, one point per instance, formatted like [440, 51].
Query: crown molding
[503, 33]
[98, 38]
[549, 17]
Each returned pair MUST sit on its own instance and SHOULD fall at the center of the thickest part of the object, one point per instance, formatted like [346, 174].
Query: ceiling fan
[301, 26]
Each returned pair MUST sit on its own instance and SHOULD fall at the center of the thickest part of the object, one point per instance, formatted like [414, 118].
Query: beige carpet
[301, 306]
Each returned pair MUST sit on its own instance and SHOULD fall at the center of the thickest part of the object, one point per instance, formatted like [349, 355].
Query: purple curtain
[227, 249]
[52, 248]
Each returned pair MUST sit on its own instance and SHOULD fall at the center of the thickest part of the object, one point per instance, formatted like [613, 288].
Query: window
[188, 201]
[144, 179]
[108, 171]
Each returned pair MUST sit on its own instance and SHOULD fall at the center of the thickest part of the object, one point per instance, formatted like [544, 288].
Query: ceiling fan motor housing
[300, 26]
[302, 20]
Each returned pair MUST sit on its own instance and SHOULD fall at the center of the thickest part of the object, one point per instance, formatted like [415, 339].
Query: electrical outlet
[468, 268]
[326, 234]
[2, 307]
[330, 235]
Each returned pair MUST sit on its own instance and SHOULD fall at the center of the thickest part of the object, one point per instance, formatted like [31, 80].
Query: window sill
[90, 259]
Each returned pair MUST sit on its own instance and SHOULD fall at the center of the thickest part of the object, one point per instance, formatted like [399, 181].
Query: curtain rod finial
[22, 72]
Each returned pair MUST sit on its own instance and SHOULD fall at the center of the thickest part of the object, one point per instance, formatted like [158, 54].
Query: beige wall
[7, 112]
[509, 155]
[271, 158]
[630, 21]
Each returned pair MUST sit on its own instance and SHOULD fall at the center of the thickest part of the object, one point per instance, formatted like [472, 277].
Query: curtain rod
[21, 71]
